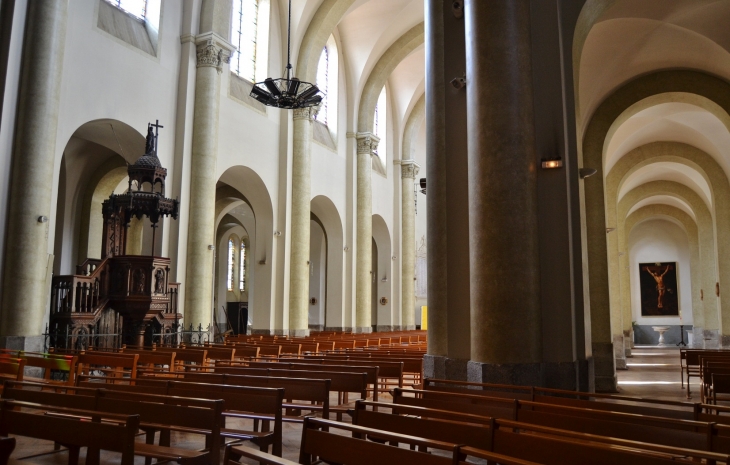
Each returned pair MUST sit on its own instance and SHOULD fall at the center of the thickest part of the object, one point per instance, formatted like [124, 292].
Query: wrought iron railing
[179, 335]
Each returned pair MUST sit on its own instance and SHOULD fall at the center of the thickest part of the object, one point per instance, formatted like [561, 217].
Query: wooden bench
[111, 364]
[12, 368]
[296, 390]
[340, 382]
[156, 412]
[474, 431]
[258, 404]
[117, 436]
[7, 445]
[319, 440]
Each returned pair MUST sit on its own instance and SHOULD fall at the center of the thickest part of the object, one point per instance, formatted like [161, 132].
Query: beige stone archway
[690, 227]
[707, 246]
[700, 162]
[593, 208]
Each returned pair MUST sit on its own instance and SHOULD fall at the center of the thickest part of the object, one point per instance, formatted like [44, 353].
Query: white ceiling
[666, 171]
[663, 200]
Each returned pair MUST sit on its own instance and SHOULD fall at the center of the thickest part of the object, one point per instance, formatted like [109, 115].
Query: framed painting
[659, 293]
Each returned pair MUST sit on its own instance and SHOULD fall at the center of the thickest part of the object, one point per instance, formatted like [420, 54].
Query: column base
[711, 339]
[343, 329]
[298, 332]
[521, 374]
[27, 344]
[316, 327]
[628, 339]
[439, 367]
[619, 352]
[604, 372]
[384, 328]
[261, 332]
[725, 341]
[362, 329]
[409, 328]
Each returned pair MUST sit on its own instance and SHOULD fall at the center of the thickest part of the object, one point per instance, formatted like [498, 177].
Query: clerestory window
[231, 263]
[244, 35]
[137, 8]
[327, 82]
[380, 127]
[242, 268]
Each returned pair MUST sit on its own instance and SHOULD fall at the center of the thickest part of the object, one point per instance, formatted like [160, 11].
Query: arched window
[327, 83]
[231, 262]
[380, 127]
[242, 268]
[244, 35]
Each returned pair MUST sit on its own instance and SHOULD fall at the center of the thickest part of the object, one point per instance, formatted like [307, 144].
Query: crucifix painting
[659, 294]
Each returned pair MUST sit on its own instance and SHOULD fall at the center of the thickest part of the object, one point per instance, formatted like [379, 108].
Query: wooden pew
[117, 365]
[117, 436]
[658, 430]
[340, 382]
[156, 412]
[150, 360]
[315, 392]
[12, 368]
[258, 404]
[474, 431]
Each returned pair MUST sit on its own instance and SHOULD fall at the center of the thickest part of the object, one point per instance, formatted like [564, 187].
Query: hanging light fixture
[288, 93]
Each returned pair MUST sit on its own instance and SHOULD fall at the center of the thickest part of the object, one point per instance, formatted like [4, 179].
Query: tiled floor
[653, 372]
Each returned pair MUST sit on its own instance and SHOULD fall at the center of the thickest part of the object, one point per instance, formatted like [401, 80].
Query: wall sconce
[552, 163]
[211, 247]
[393, 257]
[587, 172]
[383, 300]
[608, 230]
[313, 301]
[346, 248]
[385, 279]
[42, 219]
[262, 262]
[277, 233]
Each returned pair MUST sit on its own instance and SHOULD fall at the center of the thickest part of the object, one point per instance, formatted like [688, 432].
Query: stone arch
[240, 185]
[695, 159]
[323, 23]
[385, 319]
[593, 208]
[690, 227]
[400, 49]
[413, 124]
[706, 236]
[331, 222]
[93, 164]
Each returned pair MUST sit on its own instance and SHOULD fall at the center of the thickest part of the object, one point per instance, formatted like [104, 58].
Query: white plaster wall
[660, 240]
[422, 202]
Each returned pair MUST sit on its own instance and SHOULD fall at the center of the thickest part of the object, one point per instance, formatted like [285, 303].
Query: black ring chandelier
[288, 93]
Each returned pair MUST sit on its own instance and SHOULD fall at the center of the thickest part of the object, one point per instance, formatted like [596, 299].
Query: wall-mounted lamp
[385, 279]
[587, 172]
[422, 183]
[552, 163]
[211, 247]
[262, 262]
[393, 257]
[277, 233]
[608, 230]
[346, 248]
[313, 301]
[42, 219]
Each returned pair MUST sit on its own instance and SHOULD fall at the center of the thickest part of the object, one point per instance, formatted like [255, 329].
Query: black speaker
[237, 313]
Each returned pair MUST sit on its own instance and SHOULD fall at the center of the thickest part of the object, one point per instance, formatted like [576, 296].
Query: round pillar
[367, 143]
[409, 170]
[504, 266]
[201, 226]
[25, 293]
[300, 221]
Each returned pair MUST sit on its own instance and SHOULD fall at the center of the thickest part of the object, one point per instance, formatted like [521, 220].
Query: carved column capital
[367, 143]
[308, 113]
[409, 169]
[212, 51]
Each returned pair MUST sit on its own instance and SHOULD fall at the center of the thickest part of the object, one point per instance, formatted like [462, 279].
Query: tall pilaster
[504, 260]
[25, 294]
[409, 170]
[300, 221]
[212, 52]
[367, 143]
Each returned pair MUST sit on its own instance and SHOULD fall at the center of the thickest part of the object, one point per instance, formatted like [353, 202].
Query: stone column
[300, 220]
[449, 347]
[409, 171]
[367, 143]
[504, 262]
[201, 227]
[25, 293]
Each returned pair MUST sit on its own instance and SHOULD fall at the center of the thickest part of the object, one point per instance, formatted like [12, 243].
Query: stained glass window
[244, 29]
